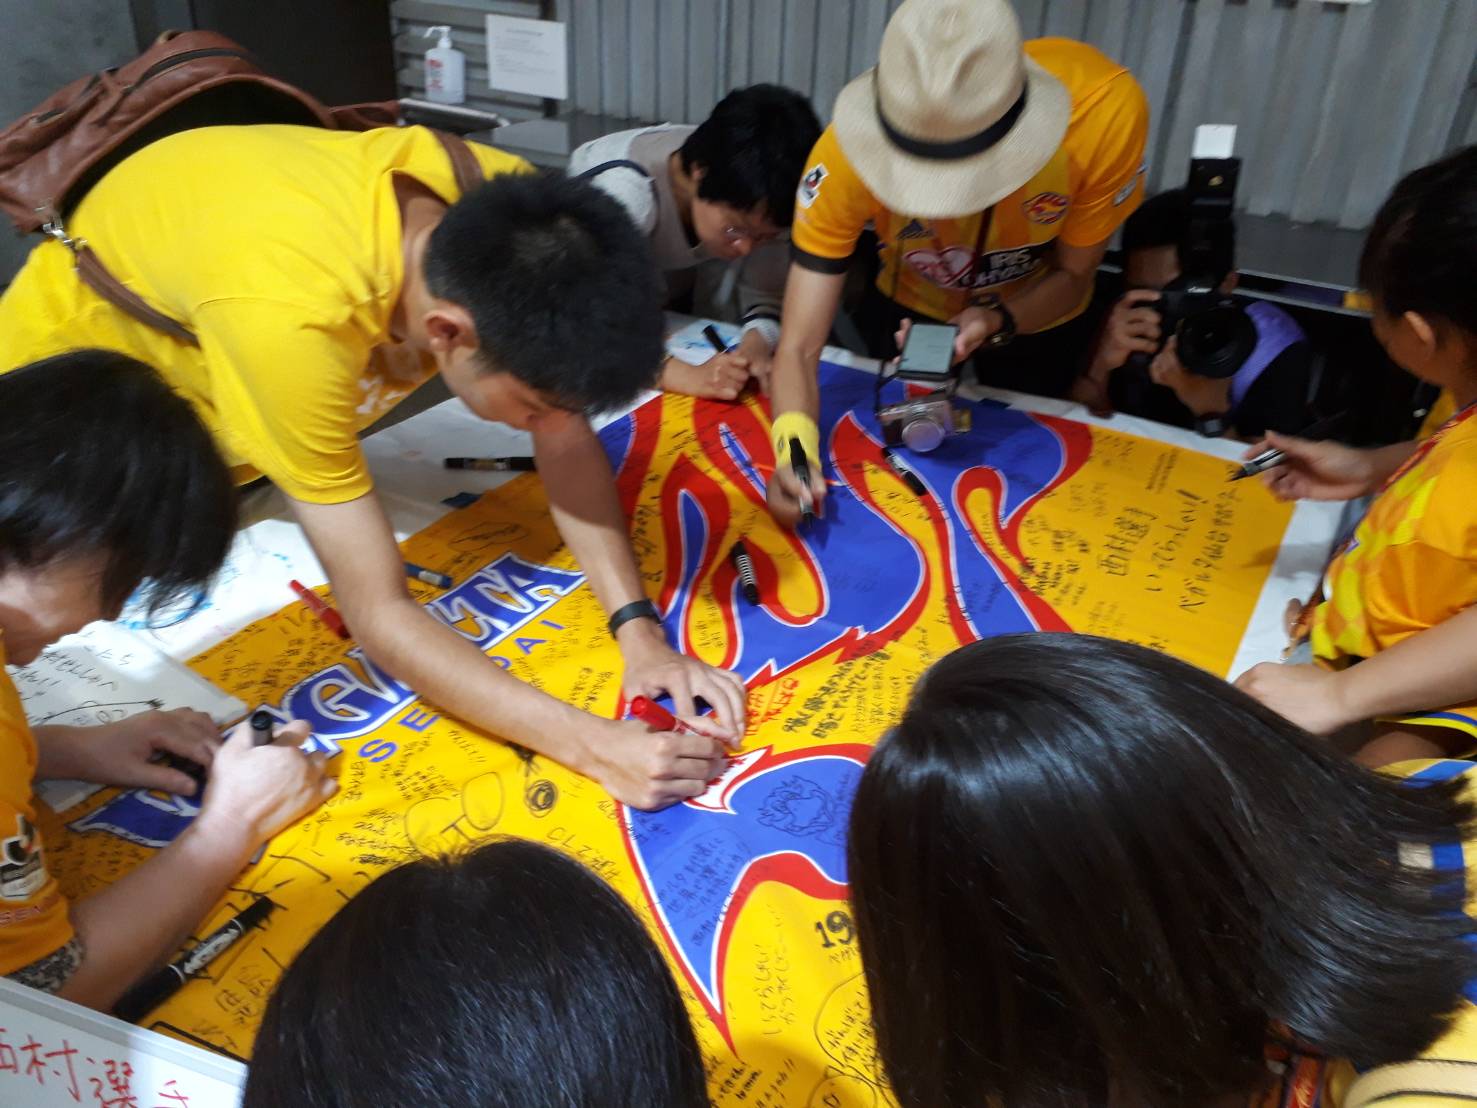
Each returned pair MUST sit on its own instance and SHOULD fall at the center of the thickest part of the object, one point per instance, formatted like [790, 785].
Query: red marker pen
[325, 613]
[658, 718]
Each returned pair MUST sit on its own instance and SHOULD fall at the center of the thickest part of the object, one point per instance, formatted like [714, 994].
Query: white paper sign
[527, 56]
[58, 1055]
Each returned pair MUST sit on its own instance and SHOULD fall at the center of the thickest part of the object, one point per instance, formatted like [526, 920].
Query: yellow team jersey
[33, 912]
[1412, 562]
[280, 248]
[938, 267]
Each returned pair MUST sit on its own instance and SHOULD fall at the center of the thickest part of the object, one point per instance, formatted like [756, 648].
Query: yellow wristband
[795, 425]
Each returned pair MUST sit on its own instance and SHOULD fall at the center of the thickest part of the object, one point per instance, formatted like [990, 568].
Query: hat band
[958, 148]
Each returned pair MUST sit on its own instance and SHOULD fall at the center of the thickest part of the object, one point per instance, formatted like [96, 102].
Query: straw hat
[954, 116]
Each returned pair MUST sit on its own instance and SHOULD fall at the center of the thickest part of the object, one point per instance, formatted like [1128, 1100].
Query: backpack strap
[1430, 1077]
[92, 273]
[464, 164]
[620, 163]
[95, 275]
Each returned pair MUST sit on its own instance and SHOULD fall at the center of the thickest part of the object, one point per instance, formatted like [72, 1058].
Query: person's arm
[357, 547]
[124, 753]
[1068, 282]
[586, 509]
[132, 926]
[811, 299]
[761, 294]
[1429, 670]
[1318, 470]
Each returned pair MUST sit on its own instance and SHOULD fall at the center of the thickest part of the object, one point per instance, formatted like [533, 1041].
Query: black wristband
[637, 609]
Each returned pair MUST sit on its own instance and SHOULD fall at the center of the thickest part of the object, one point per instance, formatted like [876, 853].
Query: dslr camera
[1215, 334]
[922, 423]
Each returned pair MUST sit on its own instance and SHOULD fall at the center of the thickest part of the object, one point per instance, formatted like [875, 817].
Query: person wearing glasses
[716, 202]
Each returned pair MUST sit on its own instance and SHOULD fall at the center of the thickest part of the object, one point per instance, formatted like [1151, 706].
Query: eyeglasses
[743, 234]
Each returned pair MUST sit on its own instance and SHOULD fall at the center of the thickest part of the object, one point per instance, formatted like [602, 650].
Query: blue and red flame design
[781, 816]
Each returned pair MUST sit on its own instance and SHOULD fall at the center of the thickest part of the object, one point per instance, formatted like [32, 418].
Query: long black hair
[1421, 252]
[506, 977]
[99, 456]
[1087, 873]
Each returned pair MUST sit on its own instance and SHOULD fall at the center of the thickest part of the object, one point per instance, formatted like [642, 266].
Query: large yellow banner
[1027, 523]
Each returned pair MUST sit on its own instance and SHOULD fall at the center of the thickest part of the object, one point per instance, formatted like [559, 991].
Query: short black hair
[98, 455]
[562, 287]
[1164, 220]
[1085, 872]
[753, 148]
[506, 977]
[1421, 253]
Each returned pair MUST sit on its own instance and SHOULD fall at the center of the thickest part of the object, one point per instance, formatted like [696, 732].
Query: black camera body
[1215, 335]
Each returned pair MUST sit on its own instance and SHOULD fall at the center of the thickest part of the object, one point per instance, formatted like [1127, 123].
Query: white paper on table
[692, 346]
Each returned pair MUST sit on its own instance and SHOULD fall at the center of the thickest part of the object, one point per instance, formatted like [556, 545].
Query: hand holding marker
[801, 467]
[1271, 459]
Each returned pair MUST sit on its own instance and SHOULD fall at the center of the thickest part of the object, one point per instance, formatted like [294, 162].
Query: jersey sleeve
[832, 207]
[286, 390]
[1107, 151]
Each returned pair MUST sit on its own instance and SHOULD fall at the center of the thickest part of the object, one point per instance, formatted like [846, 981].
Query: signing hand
[653, 669]
[721, 377]
[257, 791]
[124, 753]
[1315, 470]
[1309, 696]
[651, 769]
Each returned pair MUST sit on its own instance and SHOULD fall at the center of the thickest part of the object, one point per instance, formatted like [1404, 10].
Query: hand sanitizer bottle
[446, 70]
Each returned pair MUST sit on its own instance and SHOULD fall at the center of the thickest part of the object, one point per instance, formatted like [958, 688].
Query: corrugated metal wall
[1335, 101]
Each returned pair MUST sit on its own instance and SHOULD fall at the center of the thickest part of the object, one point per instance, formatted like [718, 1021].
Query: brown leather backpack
[50, 157]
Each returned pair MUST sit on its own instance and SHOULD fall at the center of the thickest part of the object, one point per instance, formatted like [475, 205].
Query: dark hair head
[1085, 873]
[99, 456]
[1164, 220]
[561, 285]
[1421, 253]
[753, 149]
[506, 977]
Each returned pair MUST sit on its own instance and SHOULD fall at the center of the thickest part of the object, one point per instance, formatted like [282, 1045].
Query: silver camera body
[922, 423]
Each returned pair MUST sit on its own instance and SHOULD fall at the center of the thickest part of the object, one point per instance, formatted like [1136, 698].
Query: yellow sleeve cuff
[795, 425]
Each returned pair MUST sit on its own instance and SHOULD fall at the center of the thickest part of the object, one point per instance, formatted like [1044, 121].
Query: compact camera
[923, 422]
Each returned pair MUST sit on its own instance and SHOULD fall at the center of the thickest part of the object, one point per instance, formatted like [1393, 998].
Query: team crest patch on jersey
[22, 871]
[810, 185]
[1046, 207]
[915, 230]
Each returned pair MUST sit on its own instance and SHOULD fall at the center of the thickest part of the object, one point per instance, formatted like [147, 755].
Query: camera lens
[1215, 342]
[923, 434]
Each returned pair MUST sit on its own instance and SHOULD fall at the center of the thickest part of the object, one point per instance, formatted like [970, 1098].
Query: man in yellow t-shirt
[325, 274]
[994, 173]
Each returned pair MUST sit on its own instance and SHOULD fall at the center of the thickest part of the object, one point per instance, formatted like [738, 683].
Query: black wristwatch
[637, 609]
[1007, 323]
[1214, 425]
